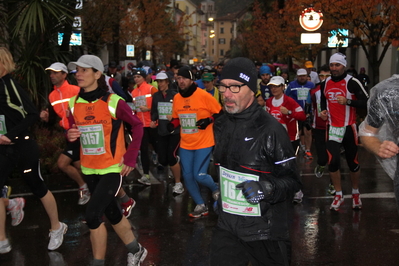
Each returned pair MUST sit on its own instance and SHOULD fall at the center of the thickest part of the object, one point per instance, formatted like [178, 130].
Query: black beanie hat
[185, 72]
[241, 69]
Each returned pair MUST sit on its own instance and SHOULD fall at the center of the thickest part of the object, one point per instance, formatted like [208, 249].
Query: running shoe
[200, 210]
[331, 189]
[337, 202]
[319, 171]
[145, 179]
[298, 197]
[356, 202]
[5, 192]
[137, 258]
[84, 196]
[17, 212]
[308, 155]
[178, 188]
[5, 246]
[57, 237]
[127, 207]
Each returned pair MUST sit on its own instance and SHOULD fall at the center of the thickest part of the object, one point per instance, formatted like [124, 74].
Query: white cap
[276, 80]
[338, 58]
[301, 72]
[88, 61]
[58, 67]
[161, 75]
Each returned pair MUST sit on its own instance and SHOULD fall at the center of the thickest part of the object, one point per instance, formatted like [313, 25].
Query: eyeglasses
[233, 88]
[325, 76]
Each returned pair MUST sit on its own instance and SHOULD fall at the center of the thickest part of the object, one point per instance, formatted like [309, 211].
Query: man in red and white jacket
[341, 94]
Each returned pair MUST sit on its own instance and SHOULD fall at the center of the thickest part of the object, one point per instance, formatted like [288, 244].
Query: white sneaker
[57, 236]
[84, 196]
[17, 212]
[145, 180]
[337, 202]
[199, 210]
[178, 188]
[298, 197]
[137, 258]
[5, 246]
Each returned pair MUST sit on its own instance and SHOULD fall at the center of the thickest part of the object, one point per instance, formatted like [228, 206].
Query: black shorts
[72, 150]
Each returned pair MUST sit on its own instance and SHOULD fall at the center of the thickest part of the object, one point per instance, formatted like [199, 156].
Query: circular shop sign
[311, 20]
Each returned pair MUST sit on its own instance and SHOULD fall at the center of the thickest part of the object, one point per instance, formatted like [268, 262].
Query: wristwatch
[289, 112]
[348, 101]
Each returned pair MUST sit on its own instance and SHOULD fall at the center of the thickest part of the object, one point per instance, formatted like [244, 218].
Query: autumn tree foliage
[149, 26]
[373, 25]
[100, 22]
[274, 35]
[275, 30]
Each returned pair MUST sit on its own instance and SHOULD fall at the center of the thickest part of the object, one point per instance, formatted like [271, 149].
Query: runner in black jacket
[168, 143]
[251, 145]
[18, 148]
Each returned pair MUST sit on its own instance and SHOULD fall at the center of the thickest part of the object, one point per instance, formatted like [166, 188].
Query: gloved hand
[170, 127]
[203, 123]
[173, 124]
[254, 192]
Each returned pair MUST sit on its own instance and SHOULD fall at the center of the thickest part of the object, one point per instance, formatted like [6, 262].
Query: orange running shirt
[102, 140]
[59, 99]
[189, 110]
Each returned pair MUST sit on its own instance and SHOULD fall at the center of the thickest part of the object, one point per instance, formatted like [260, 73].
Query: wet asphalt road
[161, 222]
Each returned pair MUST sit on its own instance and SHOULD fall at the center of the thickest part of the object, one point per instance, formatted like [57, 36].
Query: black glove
[170, 127]
[203, 123]
[254, 192]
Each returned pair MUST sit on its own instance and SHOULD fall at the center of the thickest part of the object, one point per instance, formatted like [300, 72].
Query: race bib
[92, 139]
[140, 101]
[187, 123]
[3, 129]
[233, 200]
[336, 134]
[131, 105]
[302, 93]
[164, 109]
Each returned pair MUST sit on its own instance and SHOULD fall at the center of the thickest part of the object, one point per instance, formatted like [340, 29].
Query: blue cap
[265, 70]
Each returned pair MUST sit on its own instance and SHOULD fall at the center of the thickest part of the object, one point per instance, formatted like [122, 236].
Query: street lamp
[212, 34]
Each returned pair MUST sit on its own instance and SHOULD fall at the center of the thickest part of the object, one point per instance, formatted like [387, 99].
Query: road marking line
[377, 195]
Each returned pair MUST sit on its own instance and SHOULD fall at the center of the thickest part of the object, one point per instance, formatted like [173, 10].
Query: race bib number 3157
[92, 139]
[233, 200]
